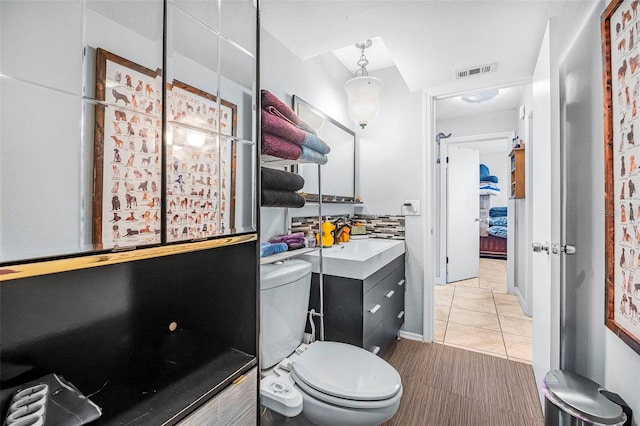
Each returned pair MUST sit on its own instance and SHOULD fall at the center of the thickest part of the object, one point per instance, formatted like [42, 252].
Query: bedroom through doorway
[474, 310]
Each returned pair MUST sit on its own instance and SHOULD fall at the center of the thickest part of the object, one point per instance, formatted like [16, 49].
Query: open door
[463, 204]
[546, 209]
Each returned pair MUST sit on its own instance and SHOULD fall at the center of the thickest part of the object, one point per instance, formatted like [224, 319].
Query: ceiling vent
[482, 69]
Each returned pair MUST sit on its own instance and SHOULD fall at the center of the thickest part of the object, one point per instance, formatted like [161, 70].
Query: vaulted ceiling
[428, 40]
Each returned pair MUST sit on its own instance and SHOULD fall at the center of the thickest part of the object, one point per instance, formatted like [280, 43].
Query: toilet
[336, 383]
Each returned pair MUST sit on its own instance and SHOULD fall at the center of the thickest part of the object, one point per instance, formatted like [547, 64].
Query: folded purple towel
[288, 238]
[280, 127]
[302, 124]
[269, 99]
[278, 147]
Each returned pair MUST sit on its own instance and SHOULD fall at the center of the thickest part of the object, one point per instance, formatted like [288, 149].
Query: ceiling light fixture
[478, 97]
[363, 91]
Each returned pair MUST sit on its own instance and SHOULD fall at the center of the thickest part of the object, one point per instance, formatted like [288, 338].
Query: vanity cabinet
[236, 405]
[366, 313]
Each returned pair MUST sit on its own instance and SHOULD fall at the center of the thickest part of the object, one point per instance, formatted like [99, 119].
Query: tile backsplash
[378, 226]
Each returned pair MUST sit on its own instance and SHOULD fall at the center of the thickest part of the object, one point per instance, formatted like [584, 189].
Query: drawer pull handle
[388, 295]
[375, 349]
[375, 309]
[401, 283]
[401, 314]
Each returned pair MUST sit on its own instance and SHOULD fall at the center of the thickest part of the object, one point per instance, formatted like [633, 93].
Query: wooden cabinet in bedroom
[517, 172]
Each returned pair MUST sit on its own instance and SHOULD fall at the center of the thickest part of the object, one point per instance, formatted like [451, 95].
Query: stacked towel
[293, 241]
[278, 188]
[267, 249]
[278, 147]
[279, 198]
[497, 211]
[284, 135]
[270, 100]
[280, 179]
[485, 174]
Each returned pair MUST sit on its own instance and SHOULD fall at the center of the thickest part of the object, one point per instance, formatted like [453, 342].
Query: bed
[494, 244]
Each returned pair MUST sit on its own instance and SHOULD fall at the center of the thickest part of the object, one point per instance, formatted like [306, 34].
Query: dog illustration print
[143, 185]
[116, 156]
[622, 192]
[131, 159]
[622, 71]
[115, 232]
[115, 187]
[116, 217]
[623, 304]
[115, 203]
[148, 89]
[116, 170]
[116, 128]
[636, 288]
[623, 213]
[120, 115]
[139, 86]
[131, 201]
[117, 142]
[130, 131]
[134, 102]
[122, 97]
[633, 309]
[622, 169]
[129, 84]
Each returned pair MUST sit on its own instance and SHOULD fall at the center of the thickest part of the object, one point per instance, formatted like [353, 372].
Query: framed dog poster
[200, 161]
[620, 39]
[127, 153]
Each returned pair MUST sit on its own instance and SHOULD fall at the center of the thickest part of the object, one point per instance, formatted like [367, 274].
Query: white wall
[495, 122]
[591, 349]
[391, 153]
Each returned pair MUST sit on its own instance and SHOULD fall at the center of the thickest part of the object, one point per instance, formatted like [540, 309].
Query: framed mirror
[339, 173]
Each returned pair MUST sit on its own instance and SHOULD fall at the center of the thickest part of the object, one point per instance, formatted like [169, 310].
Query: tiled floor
[479, 315]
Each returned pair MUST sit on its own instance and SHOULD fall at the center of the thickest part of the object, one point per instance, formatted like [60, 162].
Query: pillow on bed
[498, 231]
[498, 221]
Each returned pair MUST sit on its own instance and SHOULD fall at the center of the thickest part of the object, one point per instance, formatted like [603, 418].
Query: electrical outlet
[410, 208]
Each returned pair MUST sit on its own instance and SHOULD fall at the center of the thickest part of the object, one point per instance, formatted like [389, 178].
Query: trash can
[573, 400]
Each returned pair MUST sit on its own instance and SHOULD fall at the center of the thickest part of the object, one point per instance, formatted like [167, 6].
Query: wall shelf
[517, 173]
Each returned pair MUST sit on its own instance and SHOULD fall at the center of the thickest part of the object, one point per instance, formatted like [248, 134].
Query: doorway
[475, 310]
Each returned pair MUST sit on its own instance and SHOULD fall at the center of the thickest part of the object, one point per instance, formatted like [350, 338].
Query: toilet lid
[346, 371]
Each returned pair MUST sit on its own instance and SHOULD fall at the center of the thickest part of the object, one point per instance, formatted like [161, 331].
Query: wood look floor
[445, 385]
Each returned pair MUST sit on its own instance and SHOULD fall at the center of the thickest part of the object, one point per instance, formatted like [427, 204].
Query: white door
[545, 203]
[463, 203]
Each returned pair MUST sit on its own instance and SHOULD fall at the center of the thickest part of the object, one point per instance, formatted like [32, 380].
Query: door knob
[568, 249]
[539, 247]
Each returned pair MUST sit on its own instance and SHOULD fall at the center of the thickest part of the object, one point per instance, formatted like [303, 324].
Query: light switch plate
[410, 208]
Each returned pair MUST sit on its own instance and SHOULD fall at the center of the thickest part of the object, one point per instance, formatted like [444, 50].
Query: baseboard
[411, 336]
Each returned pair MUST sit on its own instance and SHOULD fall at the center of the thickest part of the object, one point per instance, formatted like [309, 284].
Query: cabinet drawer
[374, 342]
[372, 308]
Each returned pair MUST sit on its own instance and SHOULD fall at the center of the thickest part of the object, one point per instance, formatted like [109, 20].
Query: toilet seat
[346, 375]
[342, 402]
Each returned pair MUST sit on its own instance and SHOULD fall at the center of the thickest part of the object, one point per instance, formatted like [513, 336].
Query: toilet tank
[284, 301]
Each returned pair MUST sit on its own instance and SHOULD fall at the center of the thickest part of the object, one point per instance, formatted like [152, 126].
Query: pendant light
[363, 91]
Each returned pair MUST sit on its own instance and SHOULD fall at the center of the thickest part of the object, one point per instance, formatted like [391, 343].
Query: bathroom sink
[356, 259]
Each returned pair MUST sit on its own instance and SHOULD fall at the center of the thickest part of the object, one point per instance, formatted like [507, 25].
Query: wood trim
[610, 235]
[8, 273]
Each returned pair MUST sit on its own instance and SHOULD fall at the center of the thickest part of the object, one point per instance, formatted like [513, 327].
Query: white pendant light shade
[363, 94]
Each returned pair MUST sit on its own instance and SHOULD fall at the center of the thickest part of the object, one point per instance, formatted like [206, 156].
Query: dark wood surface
[444, 385]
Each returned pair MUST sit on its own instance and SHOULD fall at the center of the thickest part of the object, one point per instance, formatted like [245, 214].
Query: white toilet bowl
[346, 385]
